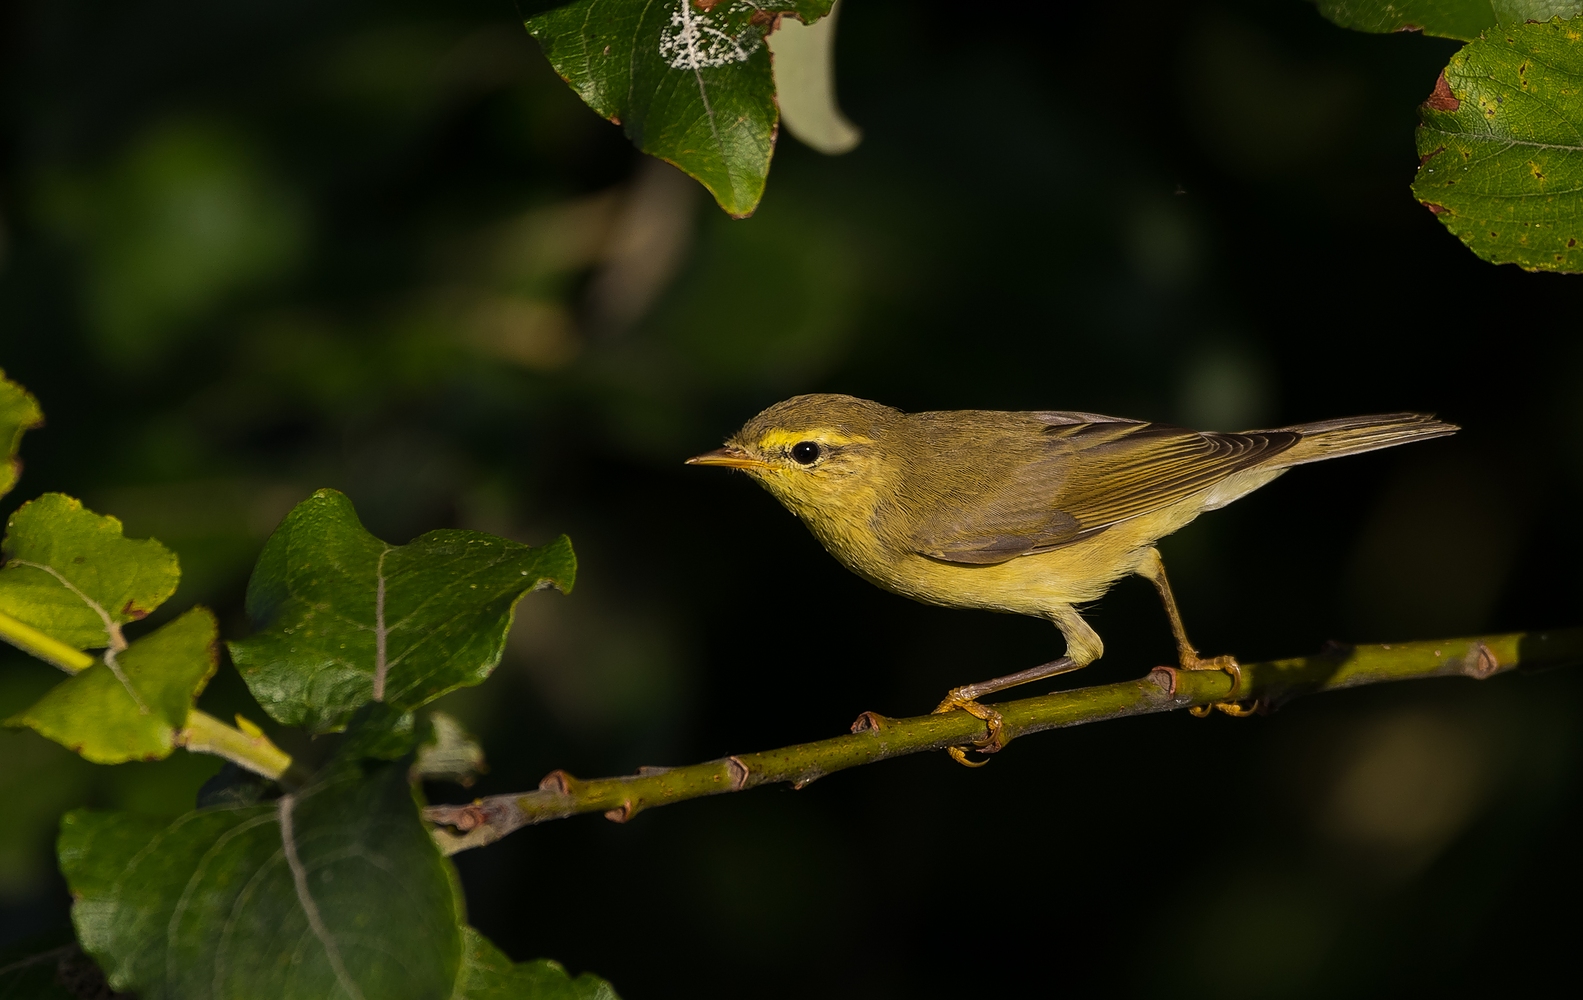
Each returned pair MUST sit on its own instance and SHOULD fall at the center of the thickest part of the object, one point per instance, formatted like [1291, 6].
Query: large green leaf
[689, 80]
[130, 705]
[336, 891]
[1502, 146]
[487, 974]
[19, 413]
[1464, 19]
[345, 619]
[72, 575]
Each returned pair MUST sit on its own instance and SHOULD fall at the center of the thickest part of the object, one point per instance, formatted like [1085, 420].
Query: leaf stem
[206, 734]
[874, 738]
[33, 642]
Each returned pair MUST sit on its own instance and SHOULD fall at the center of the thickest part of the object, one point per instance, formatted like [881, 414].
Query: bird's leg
[1153, 570]
[1083, 647]
[966, 698]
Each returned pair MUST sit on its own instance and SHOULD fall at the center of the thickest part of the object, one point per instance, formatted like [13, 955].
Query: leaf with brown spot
[1503, 147]
[1441, 98]
[73, 575]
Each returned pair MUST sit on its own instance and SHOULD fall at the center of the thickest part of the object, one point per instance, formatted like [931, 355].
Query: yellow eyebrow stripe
[825, 435]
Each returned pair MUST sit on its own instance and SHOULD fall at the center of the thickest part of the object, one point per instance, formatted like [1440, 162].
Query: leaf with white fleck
[344, 619]
[689, 80]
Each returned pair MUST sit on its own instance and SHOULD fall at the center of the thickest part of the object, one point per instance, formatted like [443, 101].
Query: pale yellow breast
[1043, 585]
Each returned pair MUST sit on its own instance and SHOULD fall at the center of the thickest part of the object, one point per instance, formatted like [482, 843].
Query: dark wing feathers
[1044, 485]
[1156, 467]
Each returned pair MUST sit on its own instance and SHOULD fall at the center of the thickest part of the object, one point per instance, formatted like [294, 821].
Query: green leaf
[1464, 19]
[487, 974]
[345, 619]
[334, 892]
[19, 413]
[130, 705]
[378, 732]
[690, 81]
[72, 575]
[1502, 146]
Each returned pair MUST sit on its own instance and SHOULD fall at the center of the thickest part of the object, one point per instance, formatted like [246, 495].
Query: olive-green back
[983, 487]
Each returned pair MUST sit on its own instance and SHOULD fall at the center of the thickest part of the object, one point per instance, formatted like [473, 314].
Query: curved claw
[960, 756]
[1229, 705]
[1237, 710]
[992, 742]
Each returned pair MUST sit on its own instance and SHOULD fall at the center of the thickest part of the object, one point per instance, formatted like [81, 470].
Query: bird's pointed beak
[730, 457]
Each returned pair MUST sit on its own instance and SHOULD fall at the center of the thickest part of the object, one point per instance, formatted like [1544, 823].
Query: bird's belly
[1042, 585]
[1031, 585]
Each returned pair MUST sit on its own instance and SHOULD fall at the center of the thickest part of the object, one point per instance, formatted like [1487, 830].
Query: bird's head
[821, 455]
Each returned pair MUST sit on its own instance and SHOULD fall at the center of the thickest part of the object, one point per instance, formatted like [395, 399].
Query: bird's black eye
[805, 452]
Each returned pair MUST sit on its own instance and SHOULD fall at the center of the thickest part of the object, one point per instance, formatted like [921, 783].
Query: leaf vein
[299, 878]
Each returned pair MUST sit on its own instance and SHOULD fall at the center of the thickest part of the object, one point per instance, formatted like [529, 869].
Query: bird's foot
[1230, 665]
[991, 743]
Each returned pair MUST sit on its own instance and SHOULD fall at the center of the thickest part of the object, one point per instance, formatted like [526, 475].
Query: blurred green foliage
[436, 281]
[168, 230]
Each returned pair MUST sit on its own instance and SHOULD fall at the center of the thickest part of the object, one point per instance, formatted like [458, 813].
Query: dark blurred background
[251, 249]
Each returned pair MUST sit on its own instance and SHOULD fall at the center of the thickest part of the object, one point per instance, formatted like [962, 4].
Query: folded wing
[1055, 480]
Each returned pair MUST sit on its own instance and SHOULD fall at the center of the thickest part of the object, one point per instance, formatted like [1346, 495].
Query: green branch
[875, 738]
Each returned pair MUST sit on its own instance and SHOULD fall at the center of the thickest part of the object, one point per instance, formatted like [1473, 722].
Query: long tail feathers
[1324, 439]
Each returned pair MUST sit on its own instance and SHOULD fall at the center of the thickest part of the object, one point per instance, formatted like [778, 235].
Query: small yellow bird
[1030, 513]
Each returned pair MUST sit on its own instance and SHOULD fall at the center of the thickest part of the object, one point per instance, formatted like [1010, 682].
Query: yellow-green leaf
[71, 574]
[1464, 19]
[19, 413]
[1502, 146]
[131, 704]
